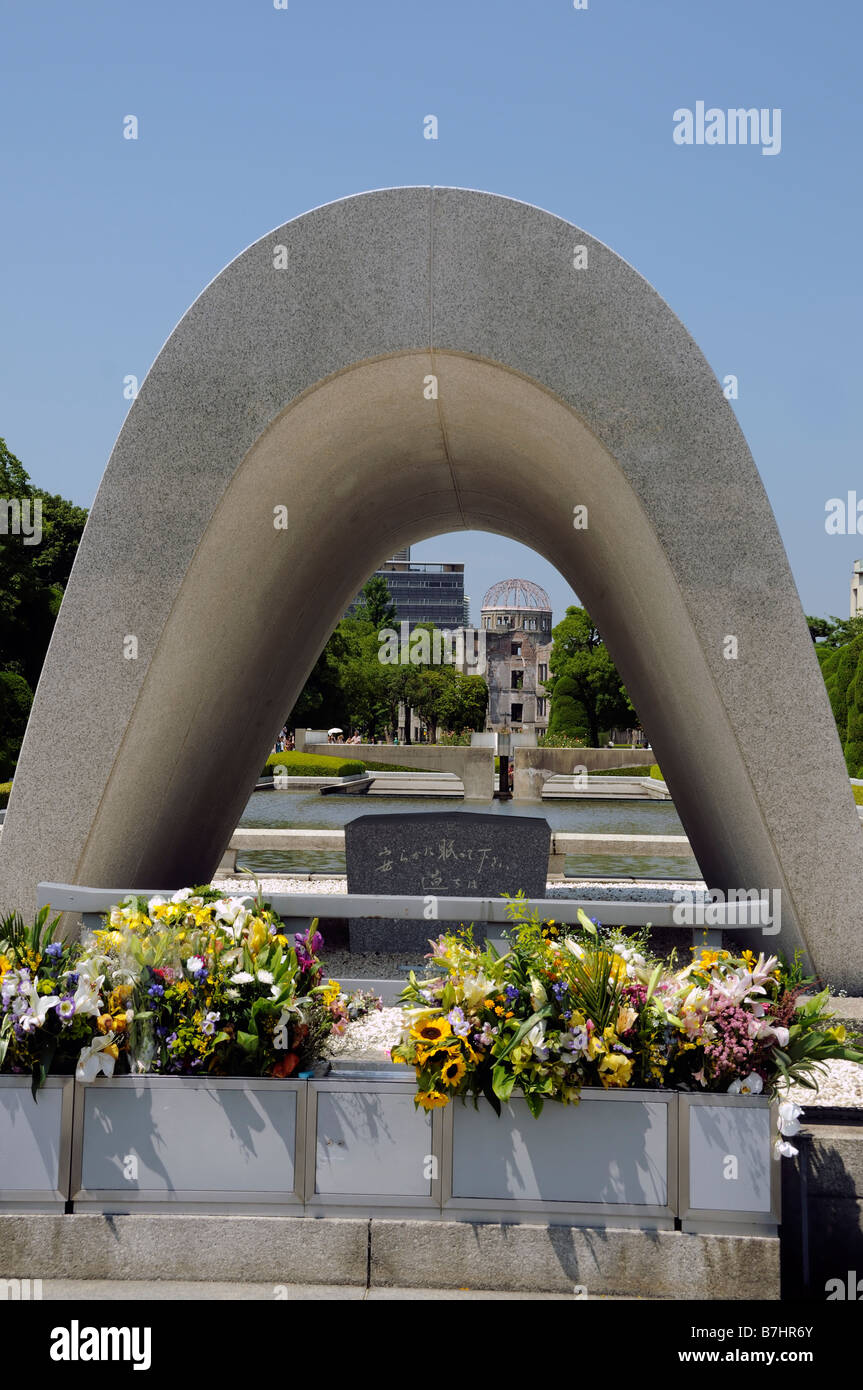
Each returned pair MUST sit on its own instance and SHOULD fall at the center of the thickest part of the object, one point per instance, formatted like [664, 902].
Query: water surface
[309, 810]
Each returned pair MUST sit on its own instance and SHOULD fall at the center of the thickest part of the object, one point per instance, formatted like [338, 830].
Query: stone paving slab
[99, 1290]
[560, 1259]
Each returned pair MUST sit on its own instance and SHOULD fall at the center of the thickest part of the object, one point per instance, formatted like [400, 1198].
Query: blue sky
[250, 116]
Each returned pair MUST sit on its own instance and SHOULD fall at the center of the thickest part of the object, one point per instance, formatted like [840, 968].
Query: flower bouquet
[567, 1008]
[49, 1003]
[203, 983]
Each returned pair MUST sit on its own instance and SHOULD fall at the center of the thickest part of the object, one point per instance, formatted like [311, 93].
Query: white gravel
[246, 887]
[601, 890]
[377, 1032]
[842, 1086]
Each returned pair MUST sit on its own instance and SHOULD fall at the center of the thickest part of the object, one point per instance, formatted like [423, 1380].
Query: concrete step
[429, 1255]
[172, 1290]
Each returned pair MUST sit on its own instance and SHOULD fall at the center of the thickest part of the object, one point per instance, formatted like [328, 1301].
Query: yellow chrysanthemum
[431, 1100]
[5, 964]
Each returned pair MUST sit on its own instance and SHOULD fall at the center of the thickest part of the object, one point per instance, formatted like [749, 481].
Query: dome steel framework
[517, 593]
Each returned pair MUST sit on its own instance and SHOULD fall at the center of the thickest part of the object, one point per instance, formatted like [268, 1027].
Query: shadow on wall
[822, 1216]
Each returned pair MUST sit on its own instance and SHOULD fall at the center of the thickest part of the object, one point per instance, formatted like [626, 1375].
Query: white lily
[229, 909]
[538, 995]
[782, 1149]
[476, 988]
[39, 1004]
[536, 1038]
[94, 1059]
[89, 968]
[759, 1028]
[88, 1000]
[573, 947]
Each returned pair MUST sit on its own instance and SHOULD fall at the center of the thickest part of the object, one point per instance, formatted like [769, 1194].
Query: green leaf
[545, 1012]
[248, 1041]
[488, 1091]
[534, 1103]
[502, 1083]
[37, 1079]
[654, 981]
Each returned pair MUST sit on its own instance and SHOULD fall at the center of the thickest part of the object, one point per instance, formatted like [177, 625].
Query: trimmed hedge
[391, 767]
[622, 772]
[307, 765]
[858, 795]
[5, 789]
[654, 772]
[842, 669]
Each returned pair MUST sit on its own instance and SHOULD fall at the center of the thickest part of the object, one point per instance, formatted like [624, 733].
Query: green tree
[842, 669]
[473, 705]
[376, 606]
[15, 701]
[400, 684]
[854, 723]
[587, 693]
[830, 633]
[32, 580]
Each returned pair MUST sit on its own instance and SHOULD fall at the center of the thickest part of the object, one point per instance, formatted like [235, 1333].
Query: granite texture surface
[427, 360]
[439, 853]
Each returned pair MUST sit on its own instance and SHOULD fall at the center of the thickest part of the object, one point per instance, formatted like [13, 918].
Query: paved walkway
[132, 1290]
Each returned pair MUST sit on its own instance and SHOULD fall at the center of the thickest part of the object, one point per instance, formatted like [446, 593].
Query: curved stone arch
[308, 387]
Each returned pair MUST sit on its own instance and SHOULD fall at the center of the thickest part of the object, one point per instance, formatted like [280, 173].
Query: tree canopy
[587, 694]
[350, 686]
[32, 580]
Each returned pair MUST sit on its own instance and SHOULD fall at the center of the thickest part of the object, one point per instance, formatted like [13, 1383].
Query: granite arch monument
[389, 367]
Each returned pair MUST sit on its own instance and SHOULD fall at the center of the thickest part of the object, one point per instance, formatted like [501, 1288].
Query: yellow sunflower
[453, 1070]
[432, 1030]
[431, 1100]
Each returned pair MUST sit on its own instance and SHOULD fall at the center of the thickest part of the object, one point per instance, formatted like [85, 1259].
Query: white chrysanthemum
[242, 977]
